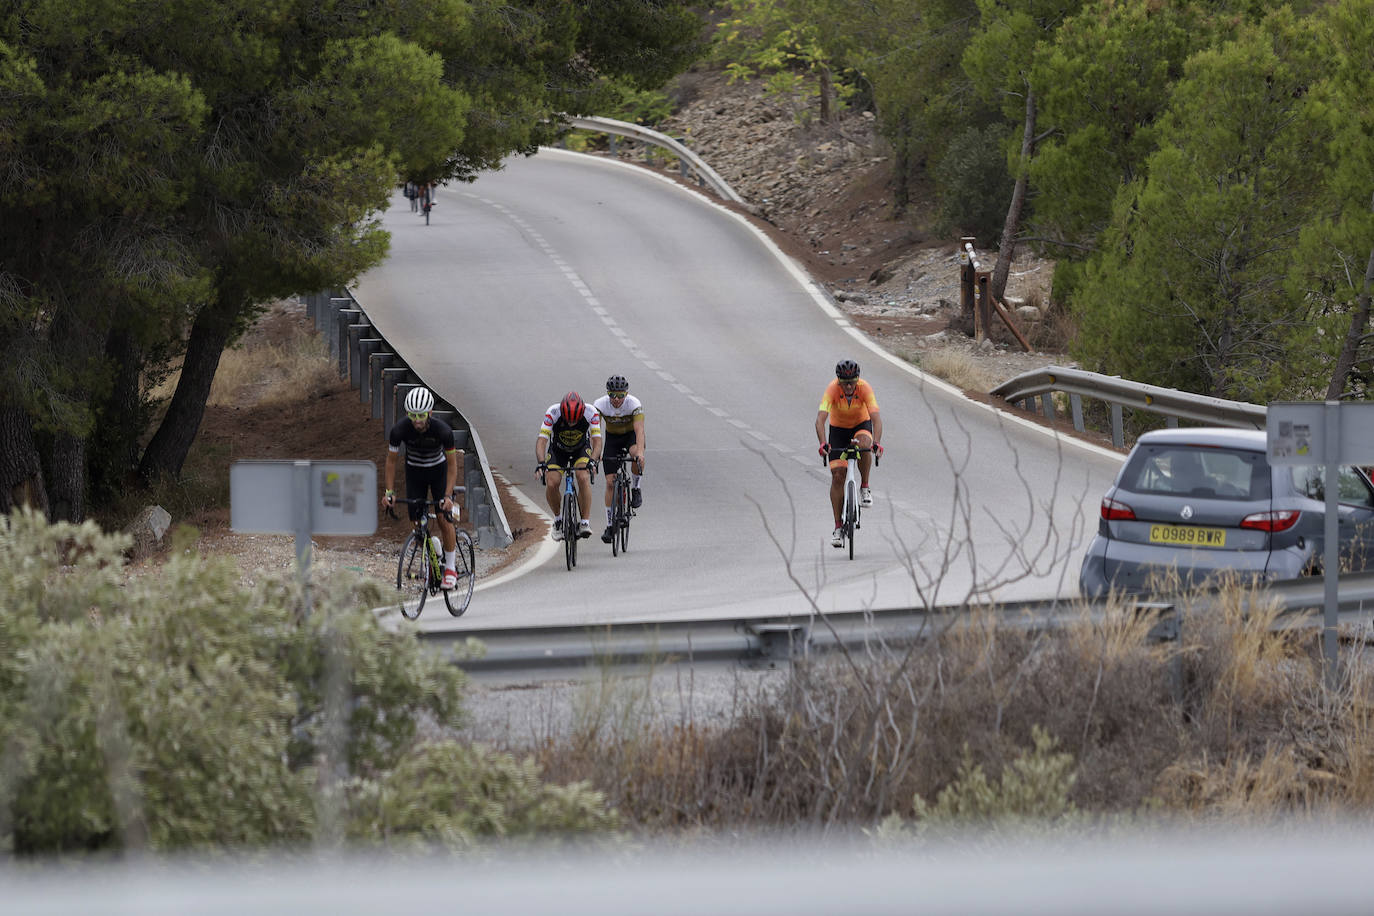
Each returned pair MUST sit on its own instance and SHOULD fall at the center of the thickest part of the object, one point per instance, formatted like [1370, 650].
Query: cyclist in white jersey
[622, 422]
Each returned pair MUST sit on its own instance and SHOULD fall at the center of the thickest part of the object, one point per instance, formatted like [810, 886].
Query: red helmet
[571, 407]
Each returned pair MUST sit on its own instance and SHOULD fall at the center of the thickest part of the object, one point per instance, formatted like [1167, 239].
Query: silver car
[1192, 505]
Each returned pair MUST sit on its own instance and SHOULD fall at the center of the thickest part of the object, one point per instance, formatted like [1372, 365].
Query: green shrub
[974, 185]
[184, 710]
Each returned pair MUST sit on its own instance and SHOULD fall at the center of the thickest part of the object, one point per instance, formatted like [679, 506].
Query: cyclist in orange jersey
[851, 410]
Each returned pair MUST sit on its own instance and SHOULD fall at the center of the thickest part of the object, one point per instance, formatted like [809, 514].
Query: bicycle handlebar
[415, 500]
[843, 454]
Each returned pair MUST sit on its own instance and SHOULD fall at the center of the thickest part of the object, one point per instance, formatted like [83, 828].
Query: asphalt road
[562, 269]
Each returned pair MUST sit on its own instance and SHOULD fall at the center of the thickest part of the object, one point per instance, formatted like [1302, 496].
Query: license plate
[1188, 535]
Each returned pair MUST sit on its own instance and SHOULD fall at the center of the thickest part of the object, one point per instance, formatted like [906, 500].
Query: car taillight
[1278, 520]
[1115, 510]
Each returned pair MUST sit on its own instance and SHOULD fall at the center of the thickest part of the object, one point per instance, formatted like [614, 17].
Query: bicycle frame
[621, 513]
[570, 514]
[851, 512]
[420, 564]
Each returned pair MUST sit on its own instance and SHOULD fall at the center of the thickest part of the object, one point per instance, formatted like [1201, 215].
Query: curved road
[562, 269]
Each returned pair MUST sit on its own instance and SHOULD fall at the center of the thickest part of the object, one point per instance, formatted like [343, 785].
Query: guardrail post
[1076, 408]
[375, 364]
[329, 323]
[347, 317]
[983, 317]
[1118, 434]
[390, 379]
[356, 333]
[966, 272]
[1171, 422]
[367, 346]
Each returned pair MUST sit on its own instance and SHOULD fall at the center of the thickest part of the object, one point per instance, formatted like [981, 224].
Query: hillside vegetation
[1200, 171]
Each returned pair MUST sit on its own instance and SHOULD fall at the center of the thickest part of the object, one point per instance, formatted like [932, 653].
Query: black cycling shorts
[614, 446]
[425, 483]
[575, 458]
[840, 437]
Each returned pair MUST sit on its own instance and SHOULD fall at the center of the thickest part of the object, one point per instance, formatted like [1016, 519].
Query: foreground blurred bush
[185, 711]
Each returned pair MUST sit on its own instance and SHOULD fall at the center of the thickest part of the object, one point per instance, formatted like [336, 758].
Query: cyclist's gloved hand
[877, 450]
[388, 499]
[823, 450]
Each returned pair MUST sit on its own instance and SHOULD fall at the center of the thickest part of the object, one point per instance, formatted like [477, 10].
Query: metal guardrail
[776, 641]
[1174, 405]
[383, 380]
[691, 160]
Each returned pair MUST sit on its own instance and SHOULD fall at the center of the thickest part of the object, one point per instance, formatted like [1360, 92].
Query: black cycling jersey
[571, 436]
[423, 449]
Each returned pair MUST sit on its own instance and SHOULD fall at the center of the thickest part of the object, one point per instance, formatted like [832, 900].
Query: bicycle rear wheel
[851, 514]
[570, 525]
[458, 597]
[412, 576]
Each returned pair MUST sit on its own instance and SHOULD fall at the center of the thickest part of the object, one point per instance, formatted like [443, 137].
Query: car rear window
[1190, 470]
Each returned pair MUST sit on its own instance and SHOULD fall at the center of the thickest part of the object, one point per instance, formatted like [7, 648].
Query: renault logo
[1187, 512]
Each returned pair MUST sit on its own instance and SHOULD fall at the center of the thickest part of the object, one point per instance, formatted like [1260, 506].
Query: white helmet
[419, 401]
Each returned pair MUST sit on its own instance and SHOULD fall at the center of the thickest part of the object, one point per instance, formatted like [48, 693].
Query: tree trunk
[121, 421]
[167, 451]
[1007, 249]
[66, 472]
[21, 472]
[1349, 350]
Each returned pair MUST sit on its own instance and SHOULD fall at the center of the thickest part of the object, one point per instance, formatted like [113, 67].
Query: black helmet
[617, 384]
[846, 369]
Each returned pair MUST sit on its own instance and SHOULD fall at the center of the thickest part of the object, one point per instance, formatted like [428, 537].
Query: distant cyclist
[622, 417]
[432, 463]
[851, 409]
[570, 437]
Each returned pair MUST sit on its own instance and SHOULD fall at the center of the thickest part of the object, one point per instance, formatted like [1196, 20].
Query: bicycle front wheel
[570, 532]
[412, 576]
[851, 514]
[623, 510]
[617, 489]
[458, 597]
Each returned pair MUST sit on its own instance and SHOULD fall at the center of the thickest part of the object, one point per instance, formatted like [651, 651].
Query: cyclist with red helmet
[570, 437]
[851, 410]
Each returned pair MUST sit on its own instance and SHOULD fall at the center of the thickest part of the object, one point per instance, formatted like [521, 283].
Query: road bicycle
[851, 511]
[621, 511]
[420, 563]
[426, 201]
[569, 516]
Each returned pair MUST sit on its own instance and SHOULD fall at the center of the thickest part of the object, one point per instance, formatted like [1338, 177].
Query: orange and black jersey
[849, 412]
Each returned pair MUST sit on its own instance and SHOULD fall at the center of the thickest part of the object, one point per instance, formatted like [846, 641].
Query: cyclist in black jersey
[432, 462]
[570, 437]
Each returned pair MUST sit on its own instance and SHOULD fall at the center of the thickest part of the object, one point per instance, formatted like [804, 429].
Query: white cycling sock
[448, 558]
[636, 483]
[608, 515]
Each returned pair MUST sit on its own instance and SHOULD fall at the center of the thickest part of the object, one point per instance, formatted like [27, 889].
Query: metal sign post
[1329, 434]
[303, 498]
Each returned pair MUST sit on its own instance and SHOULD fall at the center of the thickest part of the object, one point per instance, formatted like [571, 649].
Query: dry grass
[958, 368]
[276, 362]
[1231, 721]
[1056, 328]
